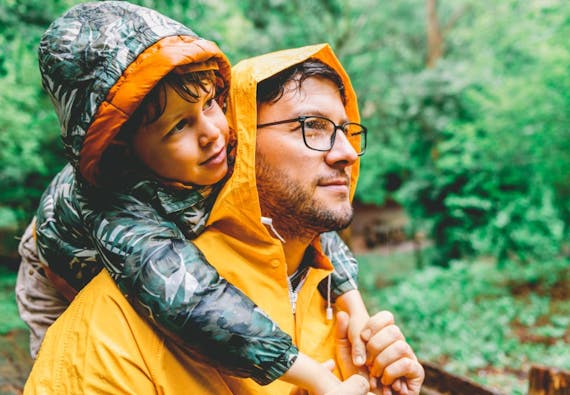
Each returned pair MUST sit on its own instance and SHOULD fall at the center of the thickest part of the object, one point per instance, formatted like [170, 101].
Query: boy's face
[188, 142]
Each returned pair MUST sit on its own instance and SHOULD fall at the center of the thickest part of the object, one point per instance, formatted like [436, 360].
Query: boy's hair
[273, 88]
[118, 162]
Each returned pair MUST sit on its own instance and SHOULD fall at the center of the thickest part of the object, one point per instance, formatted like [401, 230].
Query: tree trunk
[548, 381]
[434, 36]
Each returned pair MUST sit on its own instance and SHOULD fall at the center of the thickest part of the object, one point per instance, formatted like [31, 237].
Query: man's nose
[342, 152]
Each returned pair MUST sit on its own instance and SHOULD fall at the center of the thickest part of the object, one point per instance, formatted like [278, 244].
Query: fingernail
[358, 360]
[365, 335]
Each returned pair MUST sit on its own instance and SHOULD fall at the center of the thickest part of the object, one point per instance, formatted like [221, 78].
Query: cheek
[144, 148]
[221, 123]
[184, 152]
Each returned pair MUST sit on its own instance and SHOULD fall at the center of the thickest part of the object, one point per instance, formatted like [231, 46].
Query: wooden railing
[541, 381]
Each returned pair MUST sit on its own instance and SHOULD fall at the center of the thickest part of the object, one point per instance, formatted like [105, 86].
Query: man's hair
[117, 162]
[273, 88]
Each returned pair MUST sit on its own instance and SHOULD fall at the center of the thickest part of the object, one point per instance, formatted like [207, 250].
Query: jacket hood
[99, 60]
[237, 206]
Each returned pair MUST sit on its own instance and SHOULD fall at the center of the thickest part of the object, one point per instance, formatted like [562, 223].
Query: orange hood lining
[137, 81]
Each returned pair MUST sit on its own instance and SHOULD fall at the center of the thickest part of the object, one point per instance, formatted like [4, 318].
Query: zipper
[293, 293]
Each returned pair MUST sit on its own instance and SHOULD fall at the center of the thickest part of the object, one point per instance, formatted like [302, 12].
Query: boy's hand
[390, 357]
[354, 385]
[352, 303]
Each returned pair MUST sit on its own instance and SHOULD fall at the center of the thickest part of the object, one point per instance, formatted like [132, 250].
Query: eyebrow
[319, 113]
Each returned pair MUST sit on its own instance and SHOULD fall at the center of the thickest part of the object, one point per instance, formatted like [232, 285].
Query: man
[303, 186]
[269, 233]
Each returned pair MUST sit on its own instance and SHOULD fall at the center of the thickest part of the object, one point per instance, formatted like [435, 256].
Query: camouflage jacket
[141, 238]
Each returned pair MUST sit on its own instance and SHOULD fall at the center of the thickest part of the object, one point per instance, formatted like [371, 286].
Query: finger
[404, 367]
[381, 341]
[376, 323]
[329, 364]
[358, 346]
[397, 386]
[341, 331]
[354, 385]
[343, 347]
[403, 387]
[396, 351]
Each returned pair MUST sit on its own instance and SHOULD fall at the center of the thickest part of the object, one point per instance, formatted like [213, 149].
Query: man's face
[304, 191]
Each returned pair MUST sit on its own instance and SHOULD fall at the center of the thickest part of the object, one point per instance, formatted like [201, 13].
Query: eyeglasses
[319, 133]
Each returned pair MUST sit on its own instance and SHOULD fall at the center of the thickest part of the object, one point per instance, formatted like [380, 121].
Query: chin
[214, 178]
[325, 218]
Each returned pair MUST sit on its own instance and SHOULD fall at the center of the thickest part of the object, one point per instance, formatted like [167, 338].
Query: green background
[468, 111]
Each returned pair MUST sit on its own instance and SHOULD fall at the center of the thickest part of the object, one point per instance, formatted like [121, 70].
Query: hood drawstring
[269, 222]
[293, 292]
[329, 307]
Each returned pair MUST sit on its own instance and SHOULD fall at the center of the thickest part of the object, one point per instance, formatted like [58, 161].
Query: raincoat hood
[238, 202]
[244, 250]
[99, 60]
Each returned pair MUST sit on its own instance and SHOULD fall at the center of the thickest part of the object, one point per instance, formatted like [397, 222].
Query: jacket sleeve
[168, 280]
[345, 275]
[61, 238]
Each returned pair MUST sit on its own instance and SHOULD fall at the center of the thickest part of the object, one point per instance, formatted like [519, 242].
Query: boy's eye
[178, 127]
[209, 103]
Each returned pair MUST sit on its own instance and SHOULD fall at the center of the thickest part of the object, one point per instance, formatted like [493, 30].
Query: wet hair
[272, 89]
[118, 163]
[187, 86]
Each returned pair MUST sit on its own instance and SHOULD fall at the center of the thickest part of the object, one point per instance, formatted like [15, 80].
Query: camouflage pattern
[141, 238]
[83, 54]
[141, 234]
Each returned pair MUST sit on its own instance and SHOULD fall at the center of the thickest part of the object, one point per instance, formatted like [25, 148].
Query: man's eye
[315, 124]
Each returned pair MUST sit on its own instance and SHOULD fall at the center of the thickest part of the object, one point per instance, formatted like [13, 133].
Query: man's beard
[296, 213]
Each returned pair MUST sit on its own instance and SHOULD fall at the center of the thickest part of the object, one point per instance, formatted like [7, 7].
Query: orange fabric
[100, 345]
[136, 82]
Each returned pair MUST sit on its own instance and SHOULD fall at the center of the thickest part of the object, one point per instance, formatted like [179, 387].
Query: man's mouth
[341, 183]
[340, 179]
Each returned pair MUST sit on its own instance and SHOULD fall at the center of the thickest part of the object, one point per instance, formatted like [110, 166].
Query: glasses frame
[301, 119]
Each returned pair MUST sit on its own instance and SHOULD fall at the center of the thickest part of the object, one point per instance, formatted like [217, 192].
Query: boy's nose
[210, 132]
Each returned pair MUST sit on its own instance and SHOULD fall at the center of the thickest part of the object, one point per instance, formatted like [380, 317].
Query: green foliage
[474, 148]
[474, 317]
[30, 151]
[8, 308]
[486, 169]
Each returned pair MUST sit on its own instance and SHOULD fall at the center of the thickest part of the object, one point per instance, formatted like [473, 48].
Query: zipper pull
[293, 298]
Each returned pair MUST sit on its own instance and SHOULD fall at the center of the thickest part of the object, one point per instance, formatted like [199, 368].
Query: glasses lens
[318, 133]
[356, 134]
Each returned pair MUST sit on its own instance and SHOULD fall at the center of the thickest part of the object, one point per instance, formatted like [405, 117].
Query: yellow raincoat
[101, 345]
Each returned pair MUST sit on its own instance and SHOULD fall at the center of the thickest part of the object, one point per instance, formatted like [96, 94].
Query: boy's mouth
[218, 157]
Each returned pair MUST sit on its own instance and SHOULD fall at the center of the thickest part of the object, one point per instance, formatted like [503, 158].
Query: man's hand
[390, 357]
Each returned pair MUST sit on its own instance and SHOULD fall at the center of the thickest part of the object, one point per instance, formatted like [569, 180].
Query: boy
[138, 97]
